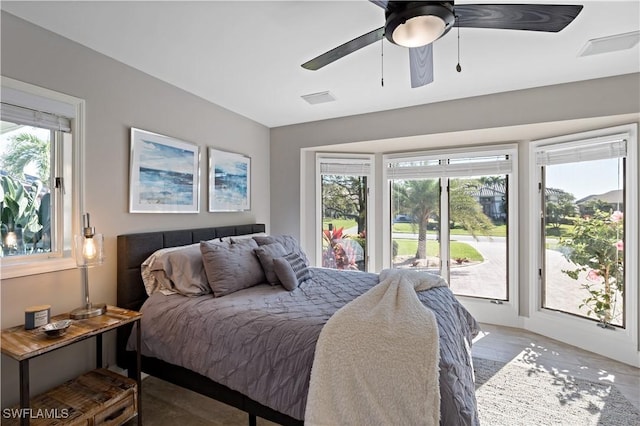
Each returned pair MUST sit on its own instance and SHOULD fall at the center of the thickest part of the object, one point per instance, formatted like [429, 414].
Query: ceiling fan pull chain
[458, 67]
[382, 62]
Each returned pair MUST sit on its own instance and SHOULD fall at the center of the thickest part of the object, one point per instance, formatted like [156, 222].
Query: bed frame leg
[252, 419]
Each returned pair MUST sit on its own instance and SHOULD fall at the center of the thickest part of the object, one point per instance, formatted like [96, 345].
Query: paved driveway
[488, 279]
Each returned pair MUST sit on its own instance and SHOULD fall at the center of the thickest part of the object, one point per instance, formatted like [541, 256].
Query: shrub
[596, 247]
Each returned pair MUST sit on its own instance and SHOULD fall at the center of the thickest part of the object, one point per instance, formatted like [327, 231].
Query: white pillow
[151, 284]
[177, 269]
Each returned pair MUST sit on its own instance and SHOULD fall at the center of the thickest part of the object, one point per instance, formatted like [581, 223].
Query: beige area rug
[518, 393]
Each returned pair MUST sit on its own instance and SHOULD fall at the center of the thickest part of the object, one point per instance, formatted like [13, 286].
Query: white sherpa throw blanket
[376, 360]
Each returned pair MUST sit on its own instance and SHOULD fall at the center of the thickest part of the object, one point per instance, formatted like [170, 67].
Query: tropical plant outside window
[25, 201]
[40, 170]
[344, 221]
[596, 248]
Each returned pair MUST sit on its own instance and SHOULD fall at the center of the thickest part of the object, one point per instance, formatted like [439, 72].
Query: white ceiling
[246, 56]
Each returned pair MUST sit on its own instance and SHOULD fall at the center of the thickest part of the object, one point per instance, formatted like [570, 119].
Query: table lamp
[89, 253]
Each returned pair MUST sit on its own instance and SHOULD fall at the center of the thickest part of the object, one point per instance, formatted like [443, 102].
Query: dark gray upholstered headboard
[133, 249]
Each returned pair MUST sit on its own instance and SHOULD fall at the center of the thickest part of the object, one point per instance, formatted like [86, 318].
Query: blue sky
[585, 178]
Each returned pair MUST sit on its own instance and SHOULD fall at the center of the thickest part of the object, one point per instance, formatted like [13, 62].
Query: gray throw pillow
[291, 270]
[231, 268]
[266, 254]
[289, 243]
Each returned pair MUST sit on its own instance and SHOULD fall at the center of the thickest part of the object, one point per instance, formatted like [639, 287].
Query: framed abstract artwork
[229, 181]
[164, 174]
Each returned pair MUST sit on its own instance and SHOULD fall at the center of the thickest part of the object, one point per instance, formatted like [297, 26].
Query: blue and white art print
[229, 181]
[164, 174]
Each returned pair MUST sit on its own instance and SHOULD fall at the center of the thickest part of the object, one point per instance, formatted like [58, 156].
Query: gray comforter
[261, 341]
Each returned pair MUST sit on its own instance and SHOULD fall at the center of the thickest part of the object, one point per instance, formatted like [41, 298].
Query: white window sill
[32, 267]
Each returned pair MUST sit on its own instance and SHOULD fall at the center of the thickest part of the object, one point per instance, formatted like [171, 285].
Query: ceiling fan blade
[381, 3]
[530, 17]
[344, 49]
[421, 65]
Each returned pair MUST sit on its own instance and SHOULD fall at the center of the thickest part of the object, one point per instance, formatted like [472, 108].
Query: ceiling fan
[417, 24]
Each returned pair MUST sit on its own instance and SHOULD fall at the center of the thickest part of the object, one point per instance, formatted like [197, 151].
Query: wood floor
[495, 342]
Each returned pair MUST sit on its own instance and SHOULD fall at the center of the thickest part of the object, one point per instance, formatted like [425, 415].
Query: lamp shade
[89, 250]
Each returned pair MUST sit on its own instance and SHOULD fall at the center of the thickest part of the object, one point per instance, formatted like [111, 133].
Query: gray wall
[567, 102]
[117, 98]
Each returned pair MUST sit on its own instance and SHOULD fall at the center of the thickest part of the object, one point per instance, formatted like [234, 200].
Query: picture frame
[229, 181]
[164, 174]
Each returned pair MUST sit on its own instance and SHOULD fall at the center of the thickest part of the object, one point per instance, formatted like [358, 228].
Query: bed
[253, 347]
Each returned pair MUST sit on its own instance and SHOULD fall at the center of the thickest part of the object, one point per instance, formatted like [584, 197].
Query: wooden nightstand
[97, 397]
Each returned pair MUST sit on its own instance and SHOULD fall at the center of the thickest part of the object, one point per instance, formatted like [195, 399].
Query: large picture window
[582, 198]
[584, 227]
[450, 215]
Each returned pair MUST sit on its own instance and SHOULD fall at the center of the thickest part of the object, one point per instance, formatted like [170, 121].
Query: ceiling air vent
[610, 43]
[318, 98]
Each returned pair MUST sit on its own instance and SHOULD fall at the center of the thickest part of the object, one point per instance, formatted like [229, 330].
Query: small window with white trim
[344, 213]
[38, 177]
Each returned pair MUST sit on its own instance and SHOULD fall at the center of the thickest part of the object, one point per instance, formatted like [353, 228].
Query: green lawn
[460, 250]
[339, 223]
[496, 231]
[407, 247]
[408, 228]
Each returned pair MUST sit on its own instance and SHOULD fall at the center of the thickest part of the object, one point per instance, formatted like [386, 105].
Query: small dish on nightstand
[56, 329]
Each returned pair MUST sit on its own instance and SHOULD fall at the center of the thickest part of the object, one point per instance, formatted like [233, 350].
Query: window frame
[366, 161]
[42, 99]
[620, 343]
[485, 310]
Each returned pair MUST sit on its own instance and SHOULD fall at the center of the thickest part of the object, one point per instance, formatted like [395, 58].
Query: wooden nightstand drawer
[119, 412]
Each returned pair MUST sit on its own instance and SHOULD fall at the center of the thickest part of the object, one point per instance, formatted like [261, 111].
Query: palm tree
[421, 198]
[492, 181]
[465, 209]
[24, 149]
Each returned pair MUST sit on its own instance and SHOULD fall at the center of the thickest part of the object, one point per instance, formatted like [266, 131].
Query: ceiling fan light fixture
[419, 31]
[416, 24]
